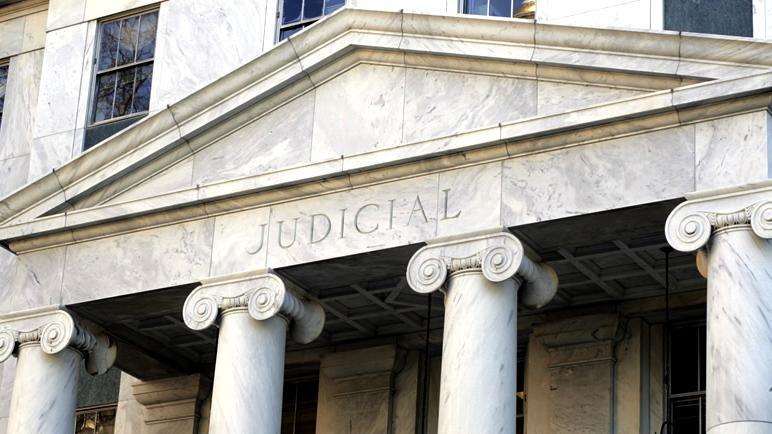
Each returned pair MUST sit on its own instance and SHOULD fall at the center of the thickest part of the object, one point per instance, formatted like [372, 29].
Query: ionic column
[255, 313]
[731, 233]
[50, 347]
[481, 277]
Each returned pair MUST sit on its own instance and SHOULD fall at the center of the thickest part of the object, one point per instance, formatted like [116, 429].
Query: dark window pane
[313, 9]
[291, 11]
[96, 134]
[476, 7]
[719, 17]
[684, 362]
[299, 407]
[128, 45]
[702, 354]
[286, 33]
[108, 44]
[687, 417]
[333, 5]
[501, 8]
[3, 80]
[142, 89]
[103, 95]
[147, 30]
[124, 92]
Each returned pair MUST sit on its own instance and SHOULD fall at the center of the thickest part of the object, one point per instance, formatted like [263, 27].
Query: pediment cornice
[352, 36]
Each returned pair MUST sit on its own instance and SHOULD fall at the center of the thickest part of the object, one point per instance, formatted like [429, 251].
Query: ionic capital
[262, 295]
[54, 329]
[498, 256]
[691, 224]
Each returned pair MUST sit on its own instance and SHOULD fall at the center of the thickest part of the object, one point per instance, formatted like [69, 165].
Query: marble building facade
[371, 216]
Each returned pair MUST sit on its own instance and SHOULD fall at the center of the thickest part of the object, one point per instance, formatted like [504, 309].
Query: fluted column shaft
[256, 311]
[478, 383]
[739, 333]
[479, 355]
[732, 233]
[45, 391]
[249, 374]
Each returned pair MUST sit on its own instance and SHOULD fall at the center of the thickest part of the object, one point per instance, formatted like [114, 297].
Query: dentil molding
[262, 295]
[54, 329]
[691, 224]
[499, 256]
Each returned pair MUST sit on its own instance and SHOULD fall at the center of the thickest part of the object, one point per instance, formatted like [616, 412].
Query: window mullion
[133, 91]
[118, 42]
[115, 92]
[136, 41]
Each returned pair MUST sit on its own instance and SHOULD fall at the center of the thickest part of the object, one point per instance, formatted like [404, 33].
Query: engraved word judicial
[310, 228]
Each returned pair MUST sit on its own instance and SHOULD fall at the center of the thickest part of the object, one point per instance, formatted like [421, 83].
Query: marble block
[733, 150]
[139, 261]
[558, 97]
[279, 139]
[60, 81]
[21, 97]
[599, 176]
[185, 61]
[11, 36]
[439, 103]
[369, 105]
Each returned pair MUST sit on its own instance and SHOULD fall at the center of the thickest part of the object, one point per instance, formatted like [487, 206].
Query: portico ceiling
[609, 256]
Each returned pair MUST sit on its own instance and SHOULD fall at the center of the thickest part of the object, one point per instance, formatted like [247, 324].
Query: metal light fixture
[526, 10]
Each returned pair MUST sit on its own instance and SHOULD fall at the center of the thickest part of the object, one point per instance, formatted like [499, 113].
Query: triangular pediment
[366, 89]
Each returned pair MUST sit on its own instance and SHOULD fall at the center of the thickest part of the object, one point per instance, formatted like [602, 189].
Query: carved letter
[262, 241]
[342, 222]
[356, 219]
[445, 211]
[313, 224]
[391, 214]
[294, 234]
[417, 206]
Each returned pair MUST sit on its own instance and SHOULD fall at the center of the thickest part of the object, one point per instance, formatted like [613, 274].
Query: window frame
[5, 63]
[95, 73]
[698, 396]
[96, 409]
[462, 6]
[302, 23]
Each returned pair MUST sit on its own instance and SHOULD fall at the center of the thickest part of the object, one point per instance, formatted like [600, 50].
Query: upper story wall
[22, 37]
[719, 16]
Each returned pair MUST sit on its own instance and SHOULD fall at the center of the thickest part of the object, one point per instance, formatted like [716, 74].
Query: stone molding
[54, 329]
[582, 340]
[691, 224]
[263, 295]
[498, 256]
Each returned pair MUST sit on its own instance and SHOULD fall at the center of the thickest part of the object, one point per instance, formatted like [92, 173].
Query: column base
[745, 427]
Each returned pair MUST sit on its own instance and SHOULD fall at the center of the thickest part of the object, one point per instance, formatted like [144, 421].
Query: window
[99, 420]
[299, 407]
[720, 17]
[494, 8]
[299, 14]
[124, 74]
[3, 80]
[687, 380]
[520, 412]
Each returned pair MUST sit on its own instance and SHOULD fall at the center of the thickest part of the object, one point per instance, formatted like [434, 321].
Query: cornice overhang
[304, 61]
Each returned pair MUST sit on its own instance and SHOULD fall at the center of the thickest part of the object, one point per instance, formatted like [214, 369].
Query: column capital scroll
[692, 223]
[264, 295]
[499, 256]
[54, 329]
